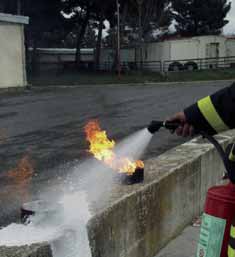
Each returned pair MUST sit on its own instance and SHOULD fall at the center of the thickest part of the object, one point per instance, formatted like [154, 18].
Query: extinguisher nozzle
[154, 126]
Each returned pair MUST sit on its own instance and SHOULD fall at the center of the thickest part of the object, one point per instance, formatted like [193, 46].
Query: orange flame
[102, 149]
[22, 175]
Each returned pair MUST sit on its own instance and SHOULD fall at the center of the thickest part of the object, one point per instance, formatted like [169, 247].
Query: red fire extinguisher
[219, 210]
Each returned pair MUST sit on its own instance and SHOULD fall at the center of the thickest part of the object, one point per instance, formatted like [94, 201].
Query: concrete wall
[144, 218]
[35, 250]
[12, 53]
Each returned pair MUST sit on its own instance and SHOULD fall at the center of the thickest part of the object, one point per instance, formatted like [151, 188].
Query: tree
[200, 17]
[102, 13]
[144, 17]
[147, 16]
[80, 12]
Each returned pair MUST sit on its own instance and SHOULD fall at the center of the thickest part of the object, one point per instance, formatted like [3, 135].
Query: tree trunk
[80, 36]
[98, 43]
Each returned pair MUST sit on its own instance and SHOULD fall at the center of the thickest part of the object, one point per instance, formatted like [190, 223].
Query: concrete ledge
[142, 219]
[35, 250]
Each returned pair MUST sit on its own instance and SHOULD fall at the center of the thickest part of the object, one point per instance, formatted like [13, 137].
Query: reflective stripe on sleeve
[232, 231]
[232, 157]
[231, 251]
[209, 112]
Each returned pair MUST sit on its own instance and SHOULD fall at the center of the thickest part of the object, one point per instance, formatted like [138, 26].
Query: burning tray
[136, 177]
[44, 211]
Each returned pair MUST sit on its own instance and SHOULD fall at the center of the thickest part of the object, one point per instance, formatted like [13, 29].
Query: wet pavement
[47, 125]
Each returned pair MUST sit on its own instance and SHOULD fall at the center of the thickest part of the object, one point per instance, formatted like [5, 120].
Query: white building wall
[206, 40]
[156, 51]
[230, 46]
[12, 52]
[184, 49]
[126, 54]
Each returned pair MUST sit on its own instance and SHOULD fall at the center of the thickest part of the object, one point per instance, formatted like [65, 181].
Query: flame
[102, 149]
[21, 176]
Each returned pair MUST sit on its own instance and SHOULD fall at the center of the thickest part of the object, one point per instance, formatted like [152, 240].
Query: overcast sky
[230, 28]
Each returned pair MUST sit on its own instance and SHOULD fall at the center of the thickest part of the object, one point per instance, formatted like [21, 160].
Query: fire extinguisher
[219, 209]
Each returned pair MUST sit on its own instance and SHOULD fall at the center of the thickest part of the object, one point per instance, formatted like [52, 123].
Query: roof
[64, 50]
[167, 38]
[4, 17]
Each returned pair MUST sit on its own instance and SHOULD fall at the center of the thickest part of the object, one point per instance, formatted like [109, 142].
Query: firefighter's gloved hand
[184, 129]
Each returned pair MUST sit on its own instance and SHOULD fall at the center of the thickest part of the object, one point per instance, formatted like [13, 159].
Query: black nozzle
[156, 125]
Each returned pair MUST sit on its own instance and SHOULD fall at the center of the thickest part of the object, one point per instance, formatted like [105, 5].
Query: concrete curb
[13, 90]
[142, 84]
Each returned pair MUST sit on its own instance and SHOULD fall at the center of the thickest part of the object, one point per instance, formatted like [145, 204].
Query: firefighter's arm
[215, 113]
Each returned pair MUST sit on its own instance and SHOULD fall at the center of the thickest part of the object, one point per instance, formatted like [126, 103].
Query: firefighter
[212, 114]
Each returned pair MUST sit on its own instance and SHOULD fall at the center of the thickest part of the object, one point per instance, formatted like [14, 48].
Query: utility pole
[118, 40]
[19, 8]
[140, 3]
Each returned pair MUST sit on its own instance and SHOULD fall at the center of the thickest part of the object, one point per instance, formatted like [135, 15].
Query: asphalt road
[48, 124]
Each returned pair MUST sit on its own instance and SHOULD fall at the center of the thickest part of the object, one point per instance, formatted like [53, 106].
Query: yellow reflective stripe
[209, 112]
[232, 231]
[231, 251]
[231, 155]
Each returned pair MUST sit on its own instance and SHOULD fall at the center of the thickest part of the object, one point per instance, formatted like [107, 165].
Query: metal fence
[63, 66]
[155, 66]
[199, 64]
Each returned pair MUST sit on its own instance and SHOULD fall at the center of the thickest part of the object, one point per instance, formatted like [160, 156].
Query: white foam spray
[134, 145]
[86, 184]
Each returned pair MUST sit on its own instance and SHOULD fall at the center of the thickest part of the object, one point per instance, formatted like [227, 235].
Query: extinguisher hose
[216, 144]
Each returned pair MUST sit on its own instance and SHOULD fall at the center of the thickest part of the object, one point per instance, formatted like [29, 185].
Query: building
[199, 52]
[58, 59]
[107, 58]
[12, 51]
[61, 58]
